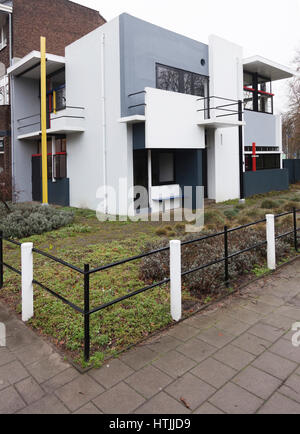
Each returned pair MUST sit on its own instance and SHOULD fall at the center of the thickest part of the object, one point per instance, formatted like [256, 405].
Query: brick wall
[60, 21]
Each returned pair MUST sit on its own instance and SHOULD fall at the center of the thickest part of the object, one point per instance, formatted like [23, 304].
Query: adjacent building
[132, 104]
[22, 22]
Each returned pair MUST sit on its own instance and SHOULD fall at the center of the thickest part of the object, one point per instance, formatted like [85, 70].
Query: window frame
[156, 167]
[181, 83]
[257, 93]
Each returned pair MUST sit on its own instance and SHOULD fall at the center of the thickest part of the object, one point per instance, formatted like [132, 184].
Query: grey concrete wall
[264, 181]
[293, 166]
[260, 129]
[142, 45]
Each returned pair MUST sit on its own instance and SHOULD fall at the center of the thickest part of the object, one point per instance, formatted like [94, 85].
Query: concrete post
[271, 245]
[175, 276]
[27, 277]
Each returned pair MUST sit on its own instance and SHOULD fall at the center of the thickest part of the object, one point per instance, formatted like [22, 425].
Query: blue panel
[138, 136]
[264, 181]
[59, 192]
[142, 45]
[188, 169]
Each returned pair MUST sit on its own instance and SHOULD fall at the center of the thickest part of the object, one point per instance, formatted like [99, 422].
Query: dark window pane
[167, 78]
[200, 85]
[187, 83]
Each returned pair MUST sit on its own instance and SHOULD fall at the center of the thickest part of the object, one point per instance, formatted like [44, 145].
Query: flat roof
[267, 68]
[29, 66]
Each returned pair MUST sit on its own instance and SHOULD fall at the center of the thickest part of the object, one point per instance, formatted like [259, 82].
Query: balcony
[70, 120]
[218, 112]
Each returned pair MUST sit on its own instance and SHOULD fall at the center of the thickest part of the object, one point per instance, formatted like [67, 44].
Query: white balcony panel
[171, 121]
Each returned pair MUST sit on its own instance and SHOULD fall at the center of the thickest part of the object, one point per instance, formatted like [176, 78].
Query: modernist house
[21, 24]
[135, 102]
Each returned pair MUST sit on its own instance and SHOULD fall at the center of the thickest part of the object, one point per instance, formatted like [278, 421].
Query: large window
[263, 162]
[258, 94]
[177, 80]
[1, 145]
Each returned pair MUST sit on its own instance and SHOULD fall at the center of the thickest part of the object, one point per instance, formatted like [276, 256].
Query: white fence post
[27, 277]
[175, 276]
[271, 245]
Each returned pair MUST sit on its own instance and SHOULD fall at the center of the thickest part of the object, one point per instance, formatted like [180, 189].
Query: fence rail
[175, 282]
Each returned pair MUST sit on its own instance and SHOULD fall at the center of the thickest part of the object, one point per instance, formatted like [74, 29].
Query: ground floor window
[56, 156]
[163, 168]
[263, 162]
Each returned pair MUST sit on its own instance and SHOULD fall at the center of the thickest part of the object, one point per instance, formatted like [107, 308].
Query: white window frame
[3, 39]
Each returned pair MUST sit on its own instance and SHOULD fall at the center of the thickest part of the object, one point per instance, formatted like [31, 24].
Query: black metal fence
[86, 272]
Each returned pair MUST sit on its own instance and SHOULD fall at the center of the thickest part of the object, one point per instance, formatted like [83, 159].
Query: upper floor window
[1, 145]
[3, 39]
[4, 90]
[178, 80]
[258, 94]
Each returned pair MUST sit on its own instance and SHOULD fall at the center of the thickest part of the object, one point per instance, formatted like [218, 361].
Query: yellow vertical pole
[44, 122]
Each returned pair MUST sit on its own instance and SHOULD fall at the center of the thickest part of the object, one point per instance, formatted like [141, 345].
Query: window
[258, 94]
[3, 39]
[263, 148]
[177, 80]
[1, 145]
[4, 90]
[263, 162]
[163, 168]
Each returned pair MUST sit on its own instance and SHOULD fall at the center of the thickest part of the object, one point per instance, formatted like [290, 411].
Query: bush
[209, 280]
[25, 220]
[230, 214]
[269, 204]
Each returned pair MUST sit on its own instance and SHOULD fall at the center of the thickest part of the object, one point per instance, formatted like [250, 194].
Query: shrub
[208, 281]
[269, 204]
[230, 214]
[27, 219]
[161, 231]
[290, 205]
[213, 218]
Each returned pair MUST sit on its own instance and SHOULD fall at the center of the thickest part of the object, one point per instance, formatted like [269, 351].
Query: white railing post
[175, 276]
[271, 244]
[27, 277]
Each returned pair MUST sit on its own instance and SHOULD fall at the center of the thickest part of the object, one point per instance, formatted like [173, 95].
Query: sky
[269, 28]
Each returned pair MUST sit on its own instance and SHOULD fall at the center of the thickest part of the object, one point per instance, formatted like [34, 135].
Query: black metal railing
[86, 272]
[211, 104]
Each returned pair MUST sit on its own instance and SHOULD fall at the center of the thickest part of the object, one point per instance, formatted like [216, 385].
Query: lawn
[88, 241]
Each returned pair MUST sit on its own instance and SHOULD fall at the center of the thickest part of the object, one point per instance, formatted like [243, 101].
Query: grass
[98, 243]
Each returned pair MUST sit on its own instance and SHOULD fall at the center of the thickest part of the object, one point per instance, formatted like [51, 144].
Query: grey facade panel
[293, 166]
[142, 45]
[138, 136]
[260, 129]
[264, 181]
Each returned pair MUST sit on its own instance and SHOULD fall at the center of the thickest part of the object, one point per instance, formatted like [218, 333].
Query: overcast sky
[266, 27]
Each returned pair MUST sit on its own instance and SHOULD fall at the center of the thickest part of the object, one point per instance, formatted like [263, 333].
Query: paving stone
[279, 321]
[33, 353]
[148, 381]
[208, 408]
[214, 372]
[19, 336]
[163, 404]
[257, 382]
[232, 326]
[259, 307]
[183, 332]
[196, 349]
[295, 301]
[111, 373]
[266, 331]
[274, 365]
[88, 408]
[47, 405]
[291, 388]
[10, 401]
[190, 388]
[174, 364]
[279, 404]
[12, 373]
[286, 349]
[29, 390]
[252, 344]
[233, 399]
[201, 321]
[271, 300]
[60, 380]
[47, 368]
[121, 399]
[215, 337]
[291, 312]
[163, 344]
[138, 357]
[234, 357]
[245, 315]
[78, 392]
[6, 356]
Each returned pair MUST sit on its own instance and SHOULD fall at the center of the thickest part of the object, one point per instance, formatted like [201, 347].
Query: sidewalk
[237, 358]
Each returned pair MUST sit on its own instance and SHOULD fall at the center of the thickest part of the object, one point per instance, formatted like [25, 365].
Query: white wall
[171, 121]
[226, 80]
[84, 88]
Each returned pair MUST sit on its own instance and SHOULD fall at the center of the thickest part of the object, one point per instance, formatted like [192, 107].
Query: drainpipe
[103, 100]
[150, 178]
[12, 122]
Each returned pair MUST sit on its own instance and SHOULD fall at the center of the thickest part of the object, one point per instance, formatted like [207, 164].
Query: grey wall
[293, 166]
[188, 170]
[142, 45]
[264, 181]
[260, 129]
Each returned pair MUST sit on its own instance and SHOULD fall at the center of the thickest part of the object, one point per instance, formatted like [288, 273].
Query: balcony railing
[214, 107]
